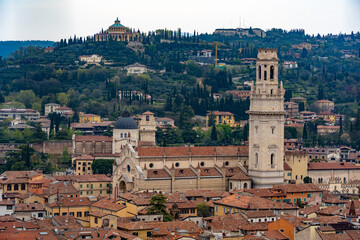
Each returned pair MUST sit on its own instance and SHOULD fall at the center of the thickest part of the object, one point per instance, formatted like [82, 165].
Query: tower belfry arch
[266, 123]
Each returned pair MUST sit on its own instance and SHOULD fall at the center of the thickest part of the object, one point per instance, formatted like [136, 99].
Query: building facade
[117, 32]
[266, 123]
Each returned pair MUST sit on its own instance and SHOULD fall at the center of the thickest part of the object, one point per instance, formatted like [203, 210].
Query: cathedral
[140, 165]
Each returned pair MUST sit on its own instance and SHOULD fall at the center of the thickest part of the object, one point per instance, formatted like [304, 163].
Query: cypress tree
[305, 134]
[214, 136]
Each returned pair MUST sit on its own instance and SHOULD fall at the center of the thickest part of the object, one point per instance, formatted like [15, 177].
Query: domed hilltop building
[117, 32]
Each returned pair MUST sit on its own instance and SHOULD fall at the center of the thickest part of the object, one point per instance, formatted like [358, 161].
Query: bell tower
[266, 123]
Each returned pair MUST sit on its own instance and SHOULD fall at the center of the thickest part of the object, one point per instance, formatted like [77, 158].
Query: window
[271, 93]
[147, 118]
[81, 193]
[86, 213]
[226, 163]
[272, 159]
[216, 208]
[192, 210]
[79, 214]
[265, 73]
[87, 185]
[40, 215]
[100, 191]
[135, 233]
[128, 168]
[271, 72]
[125, 135]
[71, 213]
[56, 214]
[91, 186]
[245, 185]
[100, 184]
[121, 135]
[202, 164]
[256, 159]
[23, 186]
[64, 213]
[96, 220]
[148, 234]
[8, 187]
[308, 195]
[177, 164]
[9, 207]
[259, 72]
[16, 187]
[304, 199]
[80, 185]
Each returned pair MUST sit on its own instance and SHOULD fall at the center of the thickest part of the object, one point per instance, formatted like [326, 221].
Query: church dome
[125, 122]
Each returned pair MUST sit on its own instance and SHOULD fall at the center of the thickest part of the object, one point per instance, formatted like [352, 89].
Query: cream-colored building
[91, 59]
[136, 69]
[147, 128]
[172, 169]
[298, 162]
[117, 32]
[82, 164]
[50, 108]
[325, 172]
[266, 123]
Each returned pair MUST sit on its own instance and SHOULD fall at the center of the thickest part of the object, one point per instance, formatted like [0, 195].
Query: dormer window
[206, 170]
[181, 171]
[155, 172]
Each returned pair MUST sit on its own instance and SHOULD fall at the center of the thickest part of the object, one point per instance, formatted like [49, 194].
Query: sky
[56, 19]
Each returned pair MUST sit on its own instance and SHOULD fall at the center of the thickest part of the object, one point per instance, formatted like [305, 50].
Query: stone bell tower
[266, 123]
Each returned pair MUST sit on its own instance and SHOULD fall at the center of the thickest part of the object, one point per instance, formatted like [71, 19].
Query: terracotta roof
[210, 172]
[84, 157]
[148, 113]
[301, 187]
[28, 207]
[260, 213]
[184, 172]
[18, 176]
[287, 167]
[71, 202]
[331, 165]
[233, 223]
[28, 234]
[217, 113]
[97, 234]
[203, 193]
[7, 218]
[6, 203]
[61, 188]
[157, 173]
[98, 214]
[85, 178]
[244, 201]
[309, 209]
[93, 139]
[66, 221]
[266, 192]
[240, 176]
[193, 151]
[331, 210]
[108, 204]
[275, 235]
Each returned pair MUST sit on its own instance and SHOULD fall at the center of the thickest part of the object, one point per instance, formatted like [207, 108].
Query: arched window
[128, 168]
[344, 179]
[272, 159]
[147, 118]
[256, 158]
[16, 187]
[23, 186]
[271, 72]
[121, 135]
[125, 135]
[265, 75]
[259, 72]
[128, 134]
[271, 92]
[231, 186]
[245, 185]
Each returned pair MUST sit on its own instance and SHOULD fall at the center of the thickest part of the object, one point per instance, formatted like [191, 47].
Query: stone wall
[53, 147]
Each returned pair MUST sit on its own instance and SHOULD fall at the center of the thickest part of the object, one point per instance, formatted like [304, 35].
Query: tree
[27, 97]
[288, 95]
[157, 203]
[321, 95]
[305, 134]
[246, 132]
[307, 179]
[102, 166]
[304, 53]
[66, 157]
[214, 136]
[63, 98]
[203, 210]
[211, 121]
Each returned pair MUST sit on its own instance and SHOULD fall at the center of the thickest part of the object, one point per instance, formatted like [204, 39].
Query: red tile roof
[331, 165]
[108, 204]
[71, 202]
[192, 151]
[217, 113]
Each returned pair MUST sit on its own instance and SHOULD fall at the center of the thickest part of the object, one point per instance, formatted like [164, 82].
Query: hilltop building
[266, 123]
[117, 32]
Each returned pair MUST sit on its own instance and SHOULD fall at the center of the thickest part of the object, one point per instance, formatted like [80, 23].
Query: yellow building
[298, 162]
[91, 212]
[220, 118]
[98, 185]
[77, 207]
[82, 164]
[89, 118]
[18, 181]
[327, 116]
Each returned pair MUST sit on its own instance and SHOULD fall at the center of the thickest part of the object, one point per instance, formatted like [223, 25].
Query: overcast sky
[56, 19]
